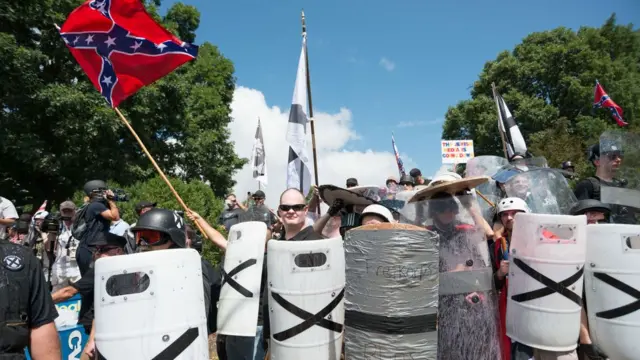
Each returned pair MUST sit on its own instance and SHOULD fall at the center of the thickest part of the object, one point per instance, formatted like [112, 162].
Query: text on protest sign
[456, 151]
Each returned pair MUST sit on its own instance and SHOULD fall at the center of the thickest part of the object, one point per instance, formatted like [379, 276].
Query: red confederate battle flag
[601, 99]
[121, 48]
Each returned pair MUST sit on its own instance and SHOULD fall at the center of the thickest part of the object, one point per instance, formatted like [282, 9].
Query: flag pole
[495, 98]
[313, 128]
[162, 175]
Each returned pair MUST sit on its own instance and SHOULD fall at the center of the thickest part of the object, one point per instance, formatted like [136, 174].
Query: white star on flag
[136, 45]
[161, 47]
[76, 40]
[89, 39]
[110, 41]
[107, 80]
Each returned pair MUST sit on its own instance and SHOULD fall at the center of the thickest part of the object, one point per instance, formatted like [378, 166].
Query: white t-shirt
[64, 266]
[7, 211]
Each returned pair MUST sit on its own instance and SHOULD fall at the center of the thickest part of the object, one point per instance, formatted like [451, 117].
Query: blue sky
[434, 52]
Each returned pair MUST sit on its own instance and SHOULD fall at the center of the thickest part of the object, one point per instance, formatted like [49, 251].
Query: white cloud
[333, 132]
[387, 64]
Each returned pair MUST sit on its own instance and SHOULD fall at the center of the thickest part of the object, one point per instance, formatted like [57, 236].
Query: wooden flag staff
[162, 175]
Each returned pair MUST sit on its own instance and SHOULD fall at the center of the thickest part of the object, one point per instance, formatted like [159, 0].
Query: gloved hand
[335, 208]
[593, 352]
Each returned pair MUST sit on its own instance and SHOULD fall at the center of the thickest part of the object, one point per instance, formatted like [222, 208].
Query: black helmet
[93, 185]
[406, 179]
[164, 221]
[608, 146]
[583, 206]
[566, 165]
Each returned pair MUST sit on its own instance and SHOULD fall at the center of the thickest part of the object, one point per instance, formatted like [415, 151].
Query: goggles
[150, 237]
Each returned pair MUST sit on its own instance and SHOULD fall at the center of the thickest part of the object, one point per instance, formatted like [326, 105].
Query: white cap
[376, 209]
[512, 203]
[445, 176]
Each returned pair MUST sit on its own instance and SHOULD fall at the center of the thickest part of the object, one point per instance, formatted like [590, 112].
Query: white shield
[242, 275]
[151, 305]
[612, 288]
[306, 299]
[391, 298]
[545, 280]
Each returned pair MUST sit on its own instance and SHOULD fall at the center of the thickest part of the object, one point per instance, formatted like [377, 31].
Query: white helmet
[512, 203]
[376, 209]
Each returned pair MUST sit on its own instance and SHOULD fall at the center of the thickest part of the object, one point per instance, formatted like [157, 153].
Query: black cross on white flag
[258, 158]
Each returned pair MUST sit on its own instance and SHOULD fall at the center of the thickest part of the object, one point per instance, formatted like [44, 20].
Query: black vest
[14, 299]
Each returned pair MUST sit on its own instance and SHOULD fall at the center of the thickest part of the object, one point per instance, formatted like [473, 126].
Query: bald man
[293, 214]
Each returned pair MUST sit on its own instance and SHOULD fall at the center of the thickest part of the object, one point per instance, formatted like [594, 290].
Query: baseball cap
[259, 194]
[143, 204]
[352, 182]
[67, 205]
[415, 173]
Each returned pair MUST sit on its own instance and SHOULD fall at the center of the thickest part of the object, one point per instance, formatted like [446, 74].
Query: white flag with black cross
[259, 158]
[511, 134]
[298, 173]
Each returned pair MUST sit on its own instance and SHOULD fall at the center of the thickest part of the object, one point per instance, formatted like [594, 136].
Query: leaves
[57, 132]
[547, 82]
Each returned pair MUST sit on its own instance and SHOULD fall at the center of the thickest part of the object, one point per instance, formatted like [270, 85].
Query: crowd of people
[54, 254]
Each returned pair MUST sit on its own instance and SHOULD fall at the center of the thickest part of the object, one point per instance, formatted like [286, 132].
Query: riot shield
[489, 192]
[467, 320]
[485, 165]
[620, 157]
[532, 162]
[391, 293]
[408, 210]
[544, 190]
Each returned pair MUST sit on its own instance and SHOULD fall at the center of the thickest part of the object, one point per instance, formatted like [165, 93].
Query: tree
[196, 194]
[547, 82]
[57, 132]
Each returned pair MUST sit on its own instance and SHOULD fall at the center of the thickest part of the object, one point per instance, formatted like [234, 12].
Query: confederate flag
[601, 99]
[121, 48]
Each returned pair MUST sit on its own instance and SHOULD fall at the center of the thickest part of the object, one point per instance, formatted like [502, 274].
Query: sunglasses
[296, 207]
[613, 155]
[150, 237]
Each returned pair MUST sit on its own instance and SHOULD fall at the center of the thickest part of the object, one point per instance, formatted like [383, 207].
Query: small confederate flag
[601, 99]
[121, 48]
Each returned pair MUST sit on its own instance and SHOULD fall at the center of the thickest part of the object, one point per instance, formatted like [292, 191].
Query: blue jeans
[258, 351]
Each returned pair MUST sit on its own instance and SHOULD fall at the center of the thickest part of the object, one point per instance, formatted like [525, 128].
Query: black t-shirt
[263, 313]
[97, 226]
[23, 291]
[228, 218]
[585, 188]
[259, 213]
[42, 310]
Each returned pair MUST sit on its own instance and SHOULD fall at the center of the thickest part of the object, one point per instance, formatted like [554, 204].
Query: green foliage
[547, 82]
[57, 132]
[197, 195]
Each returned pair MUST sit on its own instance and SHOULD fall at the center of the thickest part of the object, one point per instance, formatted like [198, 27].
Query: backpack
[80, 226]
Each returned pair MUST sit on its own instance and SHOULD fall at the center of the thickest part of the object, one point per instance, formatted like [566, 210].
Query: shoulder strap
[595, 183]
